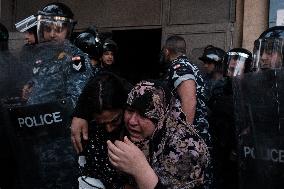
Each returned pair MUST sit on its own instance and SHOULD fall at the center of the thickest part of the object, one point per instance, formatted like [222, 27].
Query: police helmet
[212, 54]
[4, 34]
[109, 45]
[268, 49]
[54, 17]
[56, 9]
[93, 30]
[26, 24]
[237, 61]
[90, 44]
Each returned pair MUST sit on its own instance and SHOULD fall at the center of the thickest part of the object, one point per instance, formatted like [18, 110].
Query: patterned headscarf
[150, 100]
[176, 152]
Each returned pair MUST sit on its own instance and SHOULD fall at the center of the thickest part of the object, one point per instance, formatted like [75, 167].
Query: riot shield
[10, 70]
[40, 85]
[13, 75]
[259, 114]
[40, 139]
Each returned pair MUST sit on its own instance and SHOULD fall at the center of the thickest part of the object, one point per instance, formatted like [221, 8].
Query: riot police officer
[268, 48]
[212, 59]
[42, 133]
[109, 53]
[4, 36]
[54, 52]
[5, 67]
[7, 163]
[237, 61]
[27, 26]
[259, 114]
[91, 44]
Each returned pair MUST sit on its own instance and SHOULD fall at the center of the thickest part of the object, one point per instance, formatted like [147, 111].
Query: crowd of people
[175, 132]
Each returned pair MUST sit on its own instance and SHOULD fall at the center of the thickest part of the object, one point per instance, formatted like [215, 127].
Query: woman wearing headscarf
[176, 156]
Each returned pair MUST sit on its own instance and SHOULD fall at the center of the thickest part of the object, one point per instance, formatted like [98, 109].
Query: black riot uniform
[259, 114]
[26, 56]
[212, 55]
[8, 89]
[60, 70]
[9, 68]
[40, 129]
[237, 61]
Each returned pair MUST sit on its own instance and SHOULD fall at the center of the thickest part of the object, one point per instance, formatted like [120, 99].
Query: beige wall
[223, 23]
[255, 21]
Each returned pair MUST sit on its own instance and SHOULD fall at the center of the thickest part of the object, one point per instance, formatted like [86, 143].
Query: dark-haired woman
[103, 101]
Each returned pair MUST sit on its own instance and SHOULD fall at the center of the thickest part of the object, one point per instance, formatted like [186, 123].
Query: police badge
[78, 64]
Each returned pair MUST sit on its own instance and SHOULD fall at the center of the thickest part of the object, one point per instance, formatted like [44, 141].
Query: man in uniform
[100, 52]
[259, 114]
[27, 26]
[268, 49]
[186, 82]
[212, 59]
[109, 53]
[91, 44]
[60, 71]
[237, 61]
[5, 69]
[7, 88]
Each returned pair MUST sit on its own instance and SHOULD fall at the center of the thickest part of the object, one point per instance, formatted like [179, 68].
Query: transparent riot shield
[13, 75]
[37, 123]
[259, 113]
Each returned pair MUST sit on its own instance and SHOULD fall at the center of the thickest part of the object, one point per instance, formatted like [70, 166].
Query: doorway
[138, 53]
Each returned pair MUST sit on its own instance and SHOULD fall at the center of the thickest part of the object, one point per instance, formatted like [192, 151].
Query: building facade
[222, 23]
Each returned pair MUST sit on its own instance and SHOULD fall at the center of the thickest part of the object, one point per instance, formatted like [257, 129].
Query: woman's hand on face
[127, 157]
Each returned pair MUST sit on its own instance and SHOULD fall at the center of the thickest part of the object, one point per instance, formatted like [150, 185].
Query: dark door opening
[138, 53]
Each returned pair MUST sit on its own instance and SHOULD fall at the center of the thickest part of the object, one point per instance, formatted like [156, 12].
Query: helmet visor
[55, 28]
[236, 63]
[268, 54]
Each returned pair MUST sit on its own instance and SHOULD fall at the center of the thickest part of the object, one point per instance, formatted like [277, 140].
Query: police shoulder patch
[78, 64]
[61, 55]
[35, 70]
